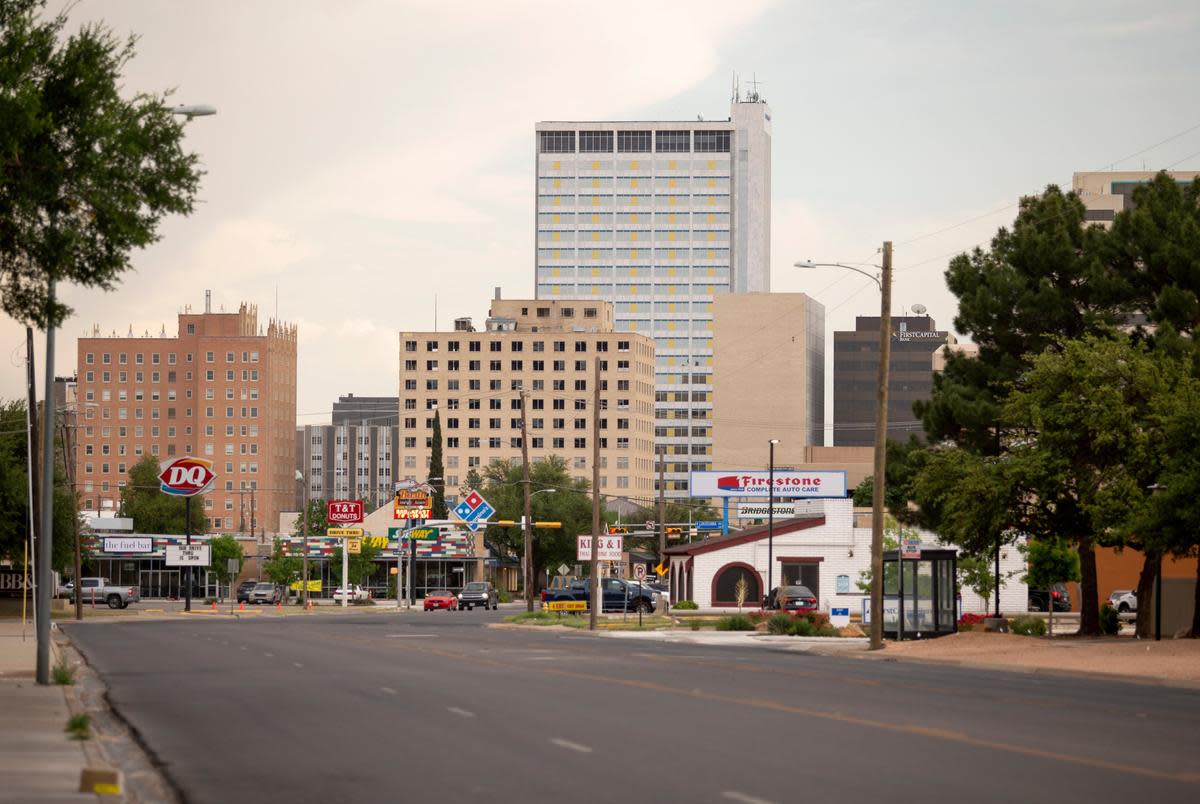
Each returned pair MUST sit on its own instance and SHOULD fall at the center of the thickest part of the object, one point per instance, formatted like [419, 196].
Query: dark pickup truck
[618, 595]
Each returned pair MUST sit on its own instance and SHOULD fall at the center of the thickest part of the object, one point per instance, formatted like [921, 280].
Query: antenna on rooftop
[754, 97]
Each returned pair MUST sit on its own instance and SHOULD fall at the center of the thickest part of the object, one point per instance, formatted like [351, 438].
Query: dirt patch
[1173, 661]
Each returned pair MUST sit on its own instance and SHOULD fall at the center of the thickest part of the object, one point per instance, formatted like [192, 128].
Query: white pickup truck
[100, 590]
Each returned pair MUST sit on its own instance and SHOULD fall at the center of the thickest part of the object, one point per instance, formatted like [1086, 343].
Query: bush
[504, 597]
[1027, 625]
[63, 673]
[971, 619]
[695, 624]
[738, 622]
[802, 626]
[780, 624]
[819, 620]
[1110, 623]
[687, 605]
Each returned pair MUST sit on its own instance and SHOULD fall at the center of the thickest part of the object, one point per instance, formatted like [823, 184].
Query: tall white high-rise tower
[658, 218]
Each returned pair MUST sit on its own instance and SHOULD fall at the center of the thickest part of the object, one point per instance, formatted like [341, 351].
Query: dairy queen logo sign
[186, 476]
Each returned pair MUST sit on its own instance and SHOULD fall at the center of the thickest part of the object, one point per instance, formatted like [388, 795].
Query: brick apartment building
[223, 389]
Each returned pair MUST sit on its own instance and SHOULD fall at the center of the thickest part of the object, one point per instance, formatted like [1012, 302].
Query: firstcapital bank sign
[787, 483]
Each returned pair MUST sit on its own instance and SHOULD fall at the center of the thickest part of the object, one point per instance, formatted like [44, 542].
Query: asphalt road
[436, 707]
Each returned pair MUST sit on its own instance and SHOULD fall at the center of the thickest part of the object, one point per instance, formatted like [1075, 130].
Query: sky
[370, 156]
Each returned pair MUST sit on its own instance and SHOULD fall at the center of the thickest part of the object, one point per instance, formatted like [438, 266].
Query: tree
[1051, 561]
[318, 524]
[221, 549]
[283, 570]
[436, 470]
[1091, 445]
[360, 565]
[14, 494]
[85, 174]
[569, 504]
[155, 512]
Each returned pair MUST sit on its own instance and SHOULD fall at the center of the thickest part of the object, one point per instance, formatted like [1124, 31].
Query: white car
[356, 593]
[1123, 600]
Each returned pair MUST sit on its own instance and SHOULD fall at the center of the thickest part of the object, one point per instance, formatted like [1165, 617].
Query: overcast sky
[369, 155]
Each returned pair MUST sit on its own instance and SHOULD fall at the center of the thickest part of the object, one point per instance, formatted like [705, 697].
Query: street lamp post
[884, 282]
[771, 516]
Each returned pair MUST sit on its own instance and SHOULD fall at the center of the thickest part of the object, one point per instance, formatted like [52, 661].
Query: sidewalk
[39, 762]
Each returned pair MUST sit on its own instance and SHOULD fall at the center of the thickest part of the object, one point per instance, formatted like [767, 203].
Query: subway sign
[788, 483]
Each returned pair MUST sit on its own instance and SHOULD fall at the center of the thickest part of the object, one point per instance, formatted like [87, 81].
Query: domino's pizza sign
[186, 476]
[474, 510]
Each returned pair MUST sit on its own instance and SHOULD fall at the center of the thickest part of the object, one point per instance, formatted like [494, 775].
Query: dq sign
[186, 476]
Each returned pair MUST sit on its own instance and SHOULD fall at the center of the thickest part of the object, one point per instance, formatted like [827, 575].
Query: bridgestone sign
[760, 510]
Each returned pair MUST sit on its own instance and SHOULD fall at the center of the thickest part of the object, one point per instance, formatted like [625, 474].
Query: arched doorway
[725, 583]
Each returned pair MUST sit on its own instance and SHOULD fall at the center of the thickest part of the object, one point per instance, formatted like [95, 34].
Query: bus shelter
[920, 594]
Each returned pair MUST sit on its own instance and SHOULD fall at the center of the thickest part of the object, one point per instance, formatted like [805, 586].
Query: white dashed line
[408, 636]
[245, 648]
[268, 655]
[388, 690]
[460, 712]
[734, 795]
[297, 664]
[570, 746]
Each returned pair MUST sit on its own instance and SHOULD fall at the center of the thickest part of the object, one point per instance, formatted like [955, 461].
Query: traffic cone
[242, 605]
[214, 607]
[309, 605]
[279, 604]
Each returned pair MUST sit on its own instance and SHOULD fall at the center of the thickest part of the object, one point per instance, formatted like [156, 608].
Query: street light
[884, 281]
[527, 540]
[304, 544]
[771, 517]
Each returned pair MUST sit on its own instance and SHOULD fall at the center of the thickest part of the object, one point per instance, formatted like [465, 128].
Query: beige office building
[545, 351]
[768, 379]
[1105, 193]
[223, 389]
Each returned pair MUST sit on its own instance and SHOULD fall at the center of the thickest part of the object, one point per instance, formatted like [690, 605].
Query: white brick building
[822, 550]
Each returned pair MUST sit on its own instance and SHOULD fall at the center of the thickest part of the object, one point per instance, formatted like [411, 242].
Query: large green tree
[221, 550]
[281, 569]
[570, 503]
[1090, 424]
[86, 174]
[318, 522]
[14, 494]
[151, 510]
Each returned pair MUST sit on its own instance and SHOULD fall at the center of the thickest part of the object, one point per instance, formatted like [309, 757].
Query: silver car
[265, 593]
[478, 593]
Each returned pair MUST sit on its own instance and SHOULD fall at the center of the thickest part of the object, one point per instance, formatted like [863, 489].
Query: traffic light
[674, 531]
[616, 529]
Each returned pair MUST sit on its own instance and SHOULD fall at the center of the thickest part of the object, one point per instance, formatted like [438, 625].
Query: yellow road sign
[354, 546]
[566, 605]
[661, 569]
[345, 533]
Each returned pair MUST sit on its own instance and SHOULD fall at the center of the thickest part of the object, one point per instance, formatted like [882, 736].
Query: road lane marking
[460, 712]
[297, 664]
[734, 795]
[388, 690]
[244, 647]
[268, 655]
[408, 636]
[570, 746]
[1187, 776]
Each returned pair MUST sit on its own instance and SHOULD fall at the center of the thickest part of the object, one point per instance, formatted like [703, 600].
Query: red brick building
[223, 389]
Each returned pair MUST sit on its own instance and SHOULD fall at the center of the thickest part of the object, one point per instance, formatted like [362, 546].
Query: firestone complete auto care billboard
[789, 483]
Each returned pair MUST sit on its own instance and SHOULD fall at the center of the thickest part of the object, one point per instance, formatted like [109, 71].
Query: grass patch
[1027, 625]
[686, 605]
[63, 674]
[79, 727]
[537, 618]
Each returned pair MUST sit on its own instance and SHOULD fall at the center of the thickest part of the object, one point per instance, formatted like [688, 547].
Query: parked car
[792, 598]
[100, 589]
[1039, 599]
[441, 599]
[617, 595]
[244, 589]
[1123, 600]
[478, 593]
[266, 592]
[355, 593]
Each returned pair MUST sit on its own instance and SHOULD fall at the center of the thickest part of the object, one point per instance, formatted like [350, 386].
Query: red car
[441, 599]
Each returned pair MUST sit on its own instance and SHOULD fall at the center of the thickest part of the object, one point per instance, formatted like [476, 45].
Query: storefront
[140, 560]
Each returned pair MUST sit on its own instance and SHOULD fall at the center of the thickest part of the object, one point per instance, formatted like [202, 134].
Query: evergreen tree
[436, 470]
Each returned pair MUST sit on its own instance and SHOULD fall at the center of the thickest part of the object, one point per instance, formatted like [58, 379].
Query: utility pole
[878, 483]
[67, 451]
[47, 537]
[594, 601]
[526, 521]
[35, 515]
[662, 508]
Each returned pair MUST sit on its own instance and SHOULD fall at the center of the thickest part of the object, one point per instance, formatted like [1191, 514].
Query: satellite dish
[919, 309]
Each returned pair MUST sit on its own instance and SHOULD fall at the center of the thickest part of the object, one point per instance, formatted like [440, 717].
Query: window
[494, 346]
[518, 365]
[712, 142]
[410, 346]
[431, 346]
[556, 142]
[672, 142]
[581, 346]
[633, 142]
[568, 312]
[581, 443]
[595, 142]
